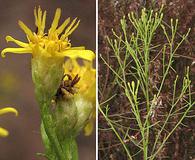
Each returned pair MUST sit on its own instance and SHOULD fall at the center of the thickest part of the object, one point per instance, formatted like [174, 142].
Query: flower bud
[84, 109]
[75, 99]
[71, 115]
[65, 116]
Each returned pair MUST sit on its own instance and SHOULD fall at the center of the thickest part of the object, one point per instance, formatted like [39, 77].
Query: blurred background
[16, 87]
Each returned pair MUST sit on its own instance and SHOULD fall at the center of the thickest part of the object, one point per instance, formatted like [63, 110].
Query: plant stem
[49, 129]
[70, 148]
[116, 133]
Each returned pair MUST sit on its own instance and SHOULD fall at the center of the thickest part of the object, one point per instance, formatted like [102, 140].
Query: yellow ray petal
[3, 132]
[40, 20]
[36, 18]
[62, 27]
[25, 29]
[84, 54]
[43, 22]
[55, 20]
[8, 110]
[16, 50]
[70, 26]
[78, 48]
[39, 16]
[72, 29]
[11, 39]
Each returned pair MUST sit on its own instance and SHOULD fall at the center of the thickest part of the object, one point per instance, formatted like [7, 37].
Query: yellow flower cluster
[55, 43]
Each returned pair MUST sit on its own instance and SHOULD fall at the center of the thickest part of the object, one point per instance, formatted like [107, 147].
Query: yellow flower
[85, 87]
[4, 132]
[48, 51]
[87, 77]
[55, 43]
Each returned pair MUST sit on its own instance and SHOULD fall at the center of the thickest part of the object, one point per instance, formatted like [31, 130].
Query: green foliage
[132, 53]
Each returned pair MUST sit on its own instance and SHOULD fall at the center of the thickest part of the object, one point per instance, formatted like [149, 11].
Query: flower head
[79, 83]
[48, 50]
[86, 84]
[4, 132]
[54, 43]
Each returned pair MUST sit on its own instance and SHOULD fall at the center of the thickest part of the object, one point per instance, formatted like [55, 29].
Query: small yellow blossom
[86, 86]
[55, 43]
[4, 132]
[87, 75]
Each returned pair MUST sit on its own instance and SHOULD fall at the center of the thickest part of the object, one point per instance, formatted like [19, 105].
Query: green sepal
[47, 73]
[65, 118]
[71, 115]
[84, 109]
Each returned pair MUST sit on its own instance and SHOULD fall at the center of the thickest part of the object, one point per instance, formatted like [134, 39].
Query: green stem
[116, 133]
[70, 148]
[50, 131]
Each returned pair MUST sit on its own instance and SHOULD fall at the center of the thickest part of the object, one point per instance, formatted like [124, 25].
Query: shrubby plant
[132, 50]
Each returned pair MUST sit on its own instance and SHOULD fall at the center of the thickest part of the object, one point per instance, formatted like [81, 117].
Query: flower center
[50, 43]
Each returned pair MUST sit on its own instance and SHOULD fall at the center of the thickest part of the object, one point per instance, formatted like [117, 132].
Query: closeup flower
[4, 132]
[54, 43]
[48, 50]
[70, 85]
